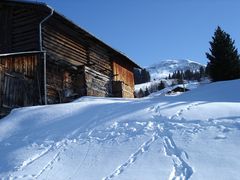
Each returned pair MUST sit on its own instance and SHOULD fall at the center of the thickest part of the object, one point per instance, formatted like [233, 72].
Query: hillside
[166, 67]
[194, 135]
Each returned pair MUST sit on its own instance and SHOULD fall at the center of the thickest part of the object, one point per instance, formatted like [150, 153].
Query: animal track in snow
[34, 158]
[48, 165]
[59, 146]
[181, 170]
[159, 127]
[180, 112]
[141, 150]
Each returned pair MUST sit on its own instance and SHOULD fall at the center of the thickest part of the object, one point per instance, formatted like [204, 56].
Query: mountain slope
[166, 67]
[191, 136]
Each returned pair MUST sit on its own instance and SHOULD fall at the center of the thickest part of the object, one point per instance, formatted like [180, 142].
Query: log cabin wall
[54, 83]
[5, 28]
[63, 81]
[78, 64]
[66, 84]
[25, 29]
[64, 43]
[96, 83]
[21, 78]
[19, 27]
[124, 80]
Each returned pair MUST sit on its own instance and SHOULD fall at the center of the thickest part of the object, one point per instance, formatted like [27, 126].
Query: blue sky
[151, 30]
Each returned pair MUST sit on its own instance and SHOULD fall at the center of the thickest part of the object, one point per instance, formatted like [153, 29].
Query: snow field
[191, 136]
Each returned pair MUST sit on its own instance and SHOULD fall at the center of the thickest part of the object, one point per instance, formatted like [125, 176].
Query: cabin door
[16, 91]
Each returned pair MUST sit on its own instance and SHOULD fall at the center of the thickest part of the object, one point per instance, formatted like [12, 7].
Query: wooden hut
[177, 89]
[45, 58]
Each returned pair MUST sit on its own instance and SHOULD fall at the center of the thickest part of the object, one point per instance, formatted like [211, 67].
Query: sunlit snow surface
[195, 135]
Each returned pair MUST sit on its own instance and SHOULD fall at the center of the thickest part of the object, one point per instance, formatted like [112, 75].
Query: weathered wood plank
[19, 83]
[5, 29]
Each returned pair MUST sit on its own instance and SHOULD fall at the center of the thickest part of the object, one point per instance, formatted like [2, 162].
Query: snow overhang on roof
[78, 27]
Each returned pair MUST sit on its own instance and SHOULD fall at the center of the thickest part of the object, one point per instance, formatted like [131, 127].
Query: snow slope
[166, 67]
[168, 83]
[191, 136]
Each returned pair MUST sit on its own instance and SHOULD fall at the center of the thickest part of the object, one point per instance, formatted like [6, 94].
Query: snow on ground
[143, 86]
[189, 85]
[191, 136]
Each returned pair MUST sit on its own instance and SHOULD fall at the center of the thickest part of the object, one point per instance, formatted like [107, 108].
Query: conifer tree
[224, 63]
[146, 93]
[202, 72]
[169, 76]
[188, 74]
[140, 93]
[161, 86]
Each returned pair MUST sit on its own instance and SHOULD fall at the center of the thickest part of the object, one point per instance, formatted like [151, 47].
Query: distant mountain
[166, 67]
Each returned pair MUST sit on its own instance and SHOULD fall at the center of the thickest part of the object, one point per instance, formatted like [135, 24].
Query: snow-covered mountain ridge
[166, 67]
[191, 136]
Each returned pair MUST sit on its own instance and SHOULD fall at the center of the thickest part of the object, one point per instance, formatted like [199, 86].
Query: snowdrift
[191, 136]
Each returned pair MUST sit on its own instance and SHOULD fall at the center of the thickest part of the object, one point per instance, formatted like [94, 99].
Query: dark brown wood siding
[97, 84]
[19, 27]
[63, 82]
[64, 42]
[78, 63]
[5, 28]
[67, 47]
[25, 29]
[61, 47]
[21, 81]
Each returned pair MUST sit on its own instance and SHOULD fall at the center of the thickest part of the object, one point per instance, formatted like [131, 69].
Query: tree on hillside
[224, 63]
[140, 93]
[161, 86]
[188, 74]
[202, 71]
[146, 92]
[145, 76]
[141, 76]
